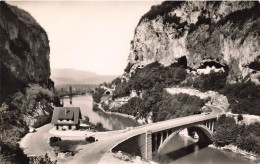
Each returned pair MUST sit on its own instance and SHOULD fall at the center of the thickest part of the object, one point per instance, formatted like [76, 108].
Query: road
[92, 153]
[36, 143]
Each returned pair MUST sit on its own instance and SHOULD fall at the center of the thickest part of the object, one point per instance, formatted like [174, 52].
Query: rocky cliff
[222, 34]
[24, 50]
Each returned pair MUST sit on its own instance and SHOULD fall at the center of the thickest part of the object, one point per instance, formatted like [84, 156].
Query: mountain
[73, 76]
[222, 33]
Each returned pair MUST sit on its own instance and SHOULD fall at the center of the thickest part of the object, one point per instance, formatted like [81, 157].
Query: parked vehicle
[90, 139]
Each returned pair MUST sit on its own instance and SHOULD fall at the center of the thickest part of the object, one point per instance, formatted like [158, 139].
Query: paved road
[36, 143]
[92, 153]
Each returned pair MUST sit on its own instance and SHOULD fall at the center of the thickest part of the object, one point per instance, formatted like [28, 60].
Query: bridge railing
[176, 119]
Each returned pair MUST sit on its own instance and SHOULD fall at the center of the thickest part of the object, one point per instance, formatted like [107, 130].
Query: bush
[34, 97]
[41, 160]
[116, 81]
[226, 131]
[212, 81]
[156, 74]
[122, 90]
[160, 10]
[96, 108]
[98, 93]
[86, 120]
[163, 105]
[99, 126]
[128, 67]
[245, 137]
[42, 120]
[244, 98]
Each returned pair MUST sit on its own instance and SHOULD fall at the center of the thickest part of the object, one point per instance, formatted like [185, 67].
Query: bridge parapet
[145, 143]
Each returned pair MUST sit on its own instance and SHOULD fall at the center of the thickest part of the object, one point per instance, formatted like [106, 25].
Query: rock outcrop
[222, 33]
[24, 50]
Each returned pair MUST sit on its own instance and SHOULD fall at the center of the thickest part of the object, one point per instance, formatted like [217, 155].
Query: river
[180, 149]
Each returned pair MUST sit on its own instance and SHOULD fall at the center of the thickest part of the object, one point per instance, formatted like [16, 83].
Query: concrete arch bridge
[146, 139]
[155, 139]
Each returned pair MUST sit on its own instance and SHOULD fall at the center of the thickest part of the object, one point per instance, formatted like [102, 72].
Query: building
[66, 118]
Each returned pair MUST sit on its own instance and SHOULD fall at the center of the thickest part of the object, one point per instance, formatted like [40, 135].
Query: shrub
[34, 97]
[163, 105]
[95, 107]
[211, 81]
[99, 127]
[41, 159]
[156, 74]
[128, 67]
[244, 98]
[98, 93]
[160, 10]
[122, 90]
[226, 131]
[245, 137]
[116, 81]
[42, 120]
[86, 120]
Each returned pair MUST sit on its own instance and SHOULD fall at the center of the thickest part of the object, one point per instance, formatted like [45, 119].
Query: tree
[3, 110]
[86, 119]
[41, 160]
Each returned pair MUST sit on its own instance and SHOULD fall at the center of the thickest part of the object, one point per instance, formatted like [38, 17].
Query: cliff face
[24, 49]
[223, 33]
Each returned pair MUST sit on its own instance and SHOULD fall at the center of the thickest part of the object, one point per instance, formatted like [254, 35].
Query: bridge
[151, 137]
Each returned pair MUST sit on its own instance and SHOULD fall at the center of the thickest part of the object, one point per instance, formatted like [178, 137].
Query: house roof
[66, 113]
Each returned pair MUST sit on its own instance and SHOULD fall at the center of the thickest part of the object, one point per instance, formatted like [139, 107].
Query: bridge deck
[94, 151]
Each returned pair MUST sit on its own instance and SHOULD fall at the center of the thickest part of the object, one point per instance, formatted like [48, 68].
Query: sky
[90, 35]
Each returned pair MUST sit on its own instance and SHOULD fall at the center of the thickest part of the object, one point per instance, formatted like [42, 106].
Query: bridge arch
[204, 133]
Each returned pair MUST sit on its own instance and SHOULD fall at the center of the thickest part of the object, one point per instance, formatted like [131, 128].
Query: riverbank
[235, 149]
[140, 121]
[122, 158]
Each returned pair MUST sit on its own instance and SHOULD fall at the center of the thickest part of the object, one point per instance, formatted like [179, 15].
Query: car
[207, 113]
[90, 139]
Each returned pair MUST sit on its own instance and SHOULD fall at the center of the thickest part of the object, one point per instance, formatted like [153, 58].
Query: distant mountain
[73, 76]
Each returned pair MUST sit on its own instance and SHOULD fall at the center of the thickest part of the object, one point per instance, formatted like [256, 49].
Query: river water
[180, 149]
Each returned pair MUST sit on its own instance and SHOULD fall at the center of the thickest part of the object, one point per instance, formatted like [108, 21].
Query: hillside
[73, 76]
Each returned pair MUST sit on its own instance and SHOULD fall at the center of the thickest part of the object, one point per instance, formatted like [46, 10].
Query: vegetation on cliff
[160, 10]
[153, 74]
[244, 137]
[151, 81]
[244, 97]
[97, 94]
[31, 105]
[163, 105]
